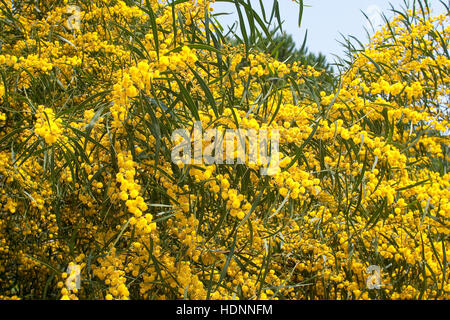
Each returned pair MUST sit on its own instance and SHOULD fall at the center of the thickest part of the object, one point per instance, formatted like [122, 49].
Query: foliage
[283, 48]
[87, 180]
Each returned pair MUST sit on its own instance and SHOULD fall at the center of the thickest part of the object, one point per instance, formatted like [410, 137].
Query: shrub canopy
[86, 177]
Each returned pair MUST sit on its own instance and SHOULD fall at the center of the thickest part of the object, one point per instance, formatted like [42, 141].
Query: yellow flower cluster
[363, 162]
[47, 126]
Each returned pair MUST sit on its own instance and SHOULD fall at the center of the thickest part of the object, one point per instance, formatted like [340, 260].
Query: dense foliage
[86, 177]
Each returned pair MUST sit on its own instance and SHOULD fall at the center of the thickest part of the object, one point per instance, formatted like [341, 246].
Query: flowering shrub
[87, 181]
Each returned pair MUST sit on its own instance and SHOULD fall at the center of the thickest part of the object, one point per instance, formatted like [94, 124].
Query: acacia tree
[284, 49]
[87, 181]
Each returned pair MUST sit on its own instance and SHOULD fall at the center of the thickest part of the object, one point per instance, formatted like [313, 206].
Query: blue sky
[324, 19]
